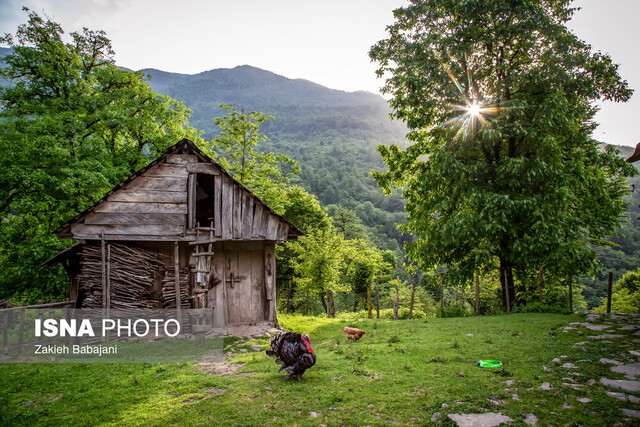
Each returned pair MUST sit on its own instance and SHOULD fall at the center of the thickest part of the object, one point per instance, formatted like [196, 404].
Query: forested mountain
[332, 134]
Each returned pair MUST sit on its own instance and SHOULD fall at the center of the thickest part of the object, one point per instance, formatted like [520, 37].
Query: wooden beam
[160, 184]
[148, 196]
[114, 218]
[204, 168]
[166, 170]
[191, 201]
[270, 279]
[181, 159]
[272, 229]
[104, 270]
[257, 220]
[151, 230]
[156, 208]
[217, 205]
[237, 212]
[132, 237]
[227, 208]
[108, 288]
[176, 269]
[247, 215]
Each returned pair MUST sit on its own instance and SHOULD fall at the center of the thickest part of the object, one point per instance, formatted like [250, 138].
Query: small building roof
[636, 155]
[183, 147]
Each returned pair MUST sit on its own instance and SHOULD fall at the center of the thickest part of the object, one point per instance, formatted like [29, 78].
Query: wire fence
[445, 300]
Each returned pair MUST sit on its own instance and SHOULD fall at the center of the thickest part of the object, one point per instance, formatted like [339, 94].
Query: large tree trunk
[506, 266]
[331, 310]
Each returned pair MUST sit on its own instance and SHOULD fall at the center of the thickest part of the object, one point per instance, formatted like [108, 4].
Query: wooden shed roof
[636, 155]
[183, 147]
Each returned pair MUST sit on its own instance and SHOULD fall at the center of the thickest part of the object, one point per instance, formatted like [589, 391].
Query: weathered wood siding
[159, 205]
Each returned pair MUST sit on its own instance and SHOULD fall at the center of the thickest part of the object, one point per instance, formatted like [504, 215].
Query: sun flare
[474, 109]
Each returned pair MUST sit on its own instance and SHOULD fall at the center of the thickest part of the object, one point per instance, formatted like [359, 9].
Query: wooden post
[40, 316]
[477, 292]
[191, 201]
[570, 292]
[104, 270]
[396, 306]
[21, 328]
[369, 302]
[506, 289]
[5, 331]
[441, 292]
[306, 312]
[413, 294]
[176, 269]
[541, 284]
[609, 287]
[377, 300]
[289, 298]
[108, 278]
[108, 290]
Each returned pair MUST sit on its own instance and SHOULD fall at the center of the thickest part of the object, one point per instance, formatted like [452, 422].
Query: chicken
[293, 351]
[353, 333]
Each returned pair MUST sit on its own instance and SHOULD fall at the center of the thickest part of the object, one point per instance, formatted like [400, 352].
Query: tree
[265, 174]
[366, 264]
[499, 99]
[72, 125]
[625, 296]
[320, 258]
[346, 221]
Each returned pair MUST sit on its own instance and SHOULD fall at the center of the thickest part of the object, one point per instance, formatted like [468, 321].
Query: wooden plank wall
[154, 206]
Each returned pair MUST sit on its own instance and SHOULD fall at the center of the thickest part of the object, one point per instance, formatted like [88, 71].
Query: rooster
[353, 333]
[293, 351]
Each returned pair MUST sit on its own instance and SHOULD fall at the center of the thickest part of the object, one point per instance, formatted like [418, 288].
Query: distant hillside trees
[503, 172]
[72, 125]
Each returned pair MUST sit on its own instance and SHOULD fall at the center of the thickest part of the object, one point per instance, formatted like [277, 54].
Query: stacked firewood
[169, 289]
[131, 276]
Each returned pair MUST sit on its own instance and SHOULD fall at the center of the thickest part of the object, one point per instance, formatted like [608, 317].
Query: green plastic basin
[490, 363]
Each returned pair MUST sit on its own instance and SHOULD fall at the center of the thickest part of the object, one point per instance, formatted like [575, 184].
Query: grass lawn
[401, 372]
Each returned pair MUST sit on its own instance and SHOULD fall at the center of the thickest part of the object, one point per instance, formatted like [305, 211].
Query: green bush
[536, 307]
[386, 313]
[452, 311]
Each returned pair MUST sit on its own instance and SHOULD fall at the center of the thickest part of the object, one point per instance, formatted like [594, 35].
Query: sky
[324, 41]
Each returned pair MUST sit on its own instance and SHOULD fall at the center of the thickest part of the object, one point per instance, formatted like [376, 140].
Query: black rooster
[293, 351]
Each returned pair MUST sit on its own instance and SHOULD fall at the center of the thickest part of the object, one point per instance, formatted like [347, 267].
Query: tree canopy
[72, 125]
[499, 98]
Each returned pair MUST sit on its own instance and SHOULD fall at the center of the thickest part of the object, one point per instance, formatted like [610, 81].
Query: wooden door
[244, 285]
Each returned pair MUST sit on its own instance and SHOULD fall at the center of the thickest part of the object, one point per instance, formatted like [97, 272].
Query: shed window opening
[204, 200]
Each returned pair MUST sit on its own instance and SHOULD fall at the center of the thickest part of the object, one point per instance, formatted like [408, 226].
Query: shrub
[452, 311]
[536, 307]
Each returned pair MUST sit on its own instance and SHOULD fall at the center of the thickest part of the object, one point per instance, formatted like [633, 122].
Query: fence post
[396, 305]
[369, 302]
[289, 298]
[541, 284]
[506, 290]
[40, 316]
[5, 331]
[377, 300]
[21, 328]
[306, 312]
[441, 292]
[570, 292]
[609, 292]
[477, 292]
[413, 293]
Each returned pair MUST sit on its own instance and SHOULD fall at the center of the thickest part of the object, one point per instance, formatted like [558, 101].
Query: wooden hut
[180, 232]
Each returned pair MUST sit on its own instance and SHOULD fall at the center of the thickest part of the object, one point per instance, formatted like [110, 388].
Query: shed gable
[168, 199]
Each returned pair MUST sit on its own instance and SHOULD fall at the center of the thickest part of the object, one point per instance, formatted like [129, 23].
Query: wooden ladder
[203, 268]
